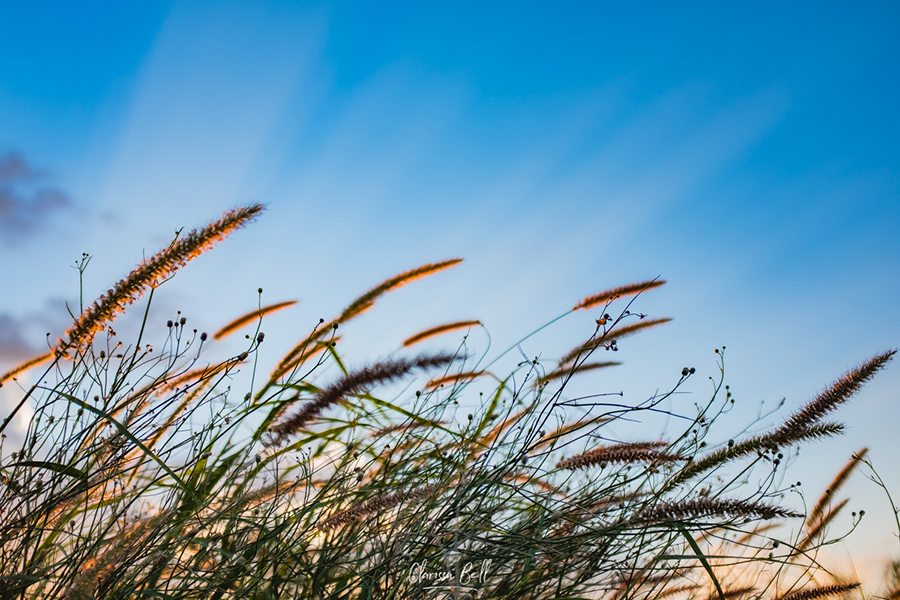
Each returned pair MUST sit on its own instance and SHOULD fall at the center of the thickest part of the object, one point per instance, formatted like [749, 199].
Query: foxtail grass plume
[28, 364]
[150, 273]
[564, 430]
[687, 510]
[569, 370]
[838, 393]
[308, 350]
[405, 427]
[818, 526]
[357, 307]
[428, 333]
[519, 479]
[196, 376]
[625, 290]
[620, 453]
[614, 334]
[835, 485]
[756, 532]
[454, 378]
[250, 316]
[754, 445]
[367, 300]
[377, 504]
[802, 425]
[353, 384]
[732, 593]
[821, 591]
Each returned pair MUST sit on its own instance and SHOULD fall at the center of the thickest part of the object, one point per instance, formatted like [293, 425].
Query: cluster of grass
[144, 474]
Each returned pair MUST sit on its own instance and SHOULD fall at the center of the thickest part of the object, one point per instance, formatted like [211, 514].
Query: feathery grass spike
[819, 525]
[150, 273]
[821, 591]
[838, 393]
[357, 307]
[755, 445]
[25, 366]
[567, 370]
[685, 510]
[249, 317]
[428, 333]
[367, 300]
[613, 334]
[620, 453]
[625, 290]
[377, 504]
[353, 384]
[732, 593]
[454, 378]
[835, 485]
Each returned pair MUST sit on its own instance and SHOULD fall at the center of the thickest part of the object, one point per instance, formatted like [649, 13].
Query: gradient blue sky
[748, 155]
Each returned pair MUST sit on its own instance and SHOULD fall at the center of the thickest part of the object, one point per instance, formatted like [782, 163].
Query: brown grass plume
[835, 485]
[625, 290]
[428, 333]
[150, 273]
[685, 510]
[250, 316]
[613, 334]
[33, 362]
[353, 383]
[367, 300]
[620, 453]
[821, 591]
[377, 504]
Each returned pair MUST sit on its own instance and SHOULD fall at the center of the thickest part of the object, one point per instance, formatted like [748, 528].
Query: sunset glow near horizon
[749, 157]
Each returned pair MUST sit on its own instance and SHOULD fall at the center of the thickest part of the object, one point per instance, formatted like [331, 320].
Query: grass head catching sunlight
[147, 471]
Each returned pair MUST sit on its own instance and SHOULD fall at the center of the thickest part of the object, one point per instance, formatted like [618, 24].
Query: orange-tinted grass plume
[613, 334]
[367, 300]
[195, 376]
[424, 335]
[835, 485]
[249, 317]
[361, 305]
[37, 360]
[353, 383]
[568, 428]
[566, 370]
[816, 528]
[307, 351]
[150, 273]
[625, 290]
[455, 378]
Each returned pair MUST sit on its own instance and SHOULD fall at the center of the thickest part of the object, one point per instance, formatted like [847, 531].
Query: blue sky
[748, 155]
